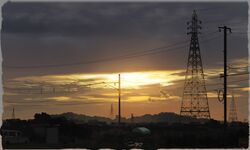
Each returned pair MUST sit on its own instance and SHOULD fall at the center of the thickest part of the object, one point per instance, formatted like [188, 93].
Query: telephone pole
[119, 99]
[225, 28]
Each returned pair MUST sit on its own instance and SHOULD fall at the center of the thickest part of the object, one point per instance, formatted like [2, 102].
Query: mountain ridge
[163, 117]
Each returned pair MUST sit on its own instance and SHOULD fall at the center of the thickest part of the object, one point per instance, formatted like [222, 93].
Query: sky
[75, 51]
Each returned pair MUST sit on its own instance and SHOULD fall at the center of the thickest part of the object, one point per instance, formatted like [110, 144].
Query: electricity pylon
[194, 100]
[233, 111]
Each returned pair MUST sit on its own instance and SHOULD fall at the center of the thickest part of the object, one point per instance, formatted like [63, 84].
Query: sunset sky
[77, 46]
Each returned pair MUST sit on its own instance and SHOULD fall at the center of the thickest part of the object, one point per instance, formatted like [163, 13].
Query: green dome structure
[141, 130]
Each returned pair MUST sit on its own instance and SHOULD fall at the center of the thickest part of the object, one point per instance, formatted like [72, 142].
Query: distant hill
[164, 117]
[167, 117]
[81, 117]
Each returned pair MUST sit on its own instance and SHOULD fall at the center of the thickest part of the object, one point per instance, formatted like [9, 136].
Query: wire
[43, 91]
[238, 87]
[238, 80]
[213, 84]
[208, 33]
[214, 90]
[239, 32]
[225, 22]
[238, 67]
[135, 54]
[207, 9]
[237, 74]
[121, 57]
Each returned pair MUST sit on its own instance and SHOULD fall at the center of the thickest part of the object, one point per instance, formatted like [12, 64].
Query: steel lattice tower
[194, 100]
[232, 112]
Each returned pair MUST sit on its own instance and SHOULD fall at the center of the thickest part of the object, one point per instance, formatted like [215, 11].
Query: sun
[138, 79]
[129, 80]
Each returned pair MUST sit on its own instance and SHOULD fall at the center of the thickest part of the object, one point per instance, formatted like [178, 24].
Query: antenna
[132, 118]
[111, 111]
[13, 113]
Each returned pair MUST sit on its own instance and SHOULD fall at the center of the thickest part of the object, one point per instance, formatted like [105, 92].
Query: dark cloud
[59, 33]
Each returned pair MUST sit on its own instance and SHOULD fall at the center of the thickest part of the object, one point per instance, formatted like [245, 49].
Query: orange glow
[128, 79]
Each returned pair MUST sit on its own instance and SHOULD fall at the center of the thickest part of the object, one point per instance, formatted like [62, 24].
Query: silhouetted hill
[164, 117]
[81, 117]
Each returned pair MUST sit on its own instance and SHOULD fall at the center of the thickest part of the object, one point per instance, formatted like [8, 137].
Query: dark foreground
[60, 133]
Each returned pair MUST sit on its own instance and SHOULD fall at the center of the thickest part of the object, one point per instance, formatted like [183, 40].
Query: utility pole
[225, 28]
[119, 99]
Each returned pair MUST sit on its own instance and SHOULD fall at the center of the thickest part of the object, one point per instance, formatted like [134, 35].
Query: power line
[238, 74]
[238, 80]
[208, 33]
[98, 83]
[131, 55]
[121, 57]
[238, 87]
[234, 74]
[225, 22]
[207, 9]
[238, 67]
[228, 82]
[240, 33]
